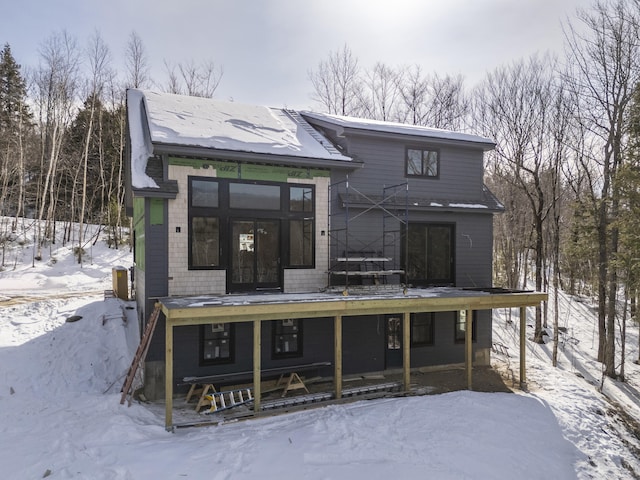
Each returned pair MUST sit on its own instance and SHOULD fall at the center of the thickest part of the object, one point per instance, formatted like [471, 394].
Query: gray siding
[155, 277]
[461, 169]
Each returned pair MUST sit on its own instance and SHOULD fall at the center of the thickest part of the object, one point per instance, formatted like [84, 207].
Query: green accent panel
[138, 210]
[276, 173]
[248, 171]
[156, 211]
[223, 169]
[319, 173]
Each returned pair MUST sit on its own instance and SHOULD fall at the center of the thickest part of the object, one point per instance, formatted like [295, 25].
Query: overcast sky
[267, 48]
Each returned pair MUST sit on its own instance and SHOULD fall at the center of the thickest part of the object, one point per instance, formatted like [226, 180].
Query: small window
[301, 199]
[422, 328]
[287, 338]
[253, 196]
[217, 343]
[205, 242]
[204, 193]
[461, 326]
[423, 163]
[301, 243]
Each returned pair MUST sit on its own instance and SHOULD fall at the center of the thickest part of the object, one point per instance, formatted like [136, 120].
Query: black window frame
[430, 341]
[279, 329]
[286, 214]
[229, 328]
[458, 322]
[428, 280]
[424, 172]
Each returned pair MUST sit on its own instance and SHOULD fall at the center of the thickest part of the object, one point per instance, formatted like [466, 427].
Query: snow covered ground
[60, 415]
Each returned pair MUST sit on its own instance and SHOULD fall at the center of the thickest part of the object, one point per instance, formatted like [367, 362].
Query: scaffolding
[360, 258]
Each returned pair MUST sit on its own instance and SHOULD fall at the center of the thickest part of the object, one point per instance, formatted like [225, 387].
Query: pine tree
[15, 121]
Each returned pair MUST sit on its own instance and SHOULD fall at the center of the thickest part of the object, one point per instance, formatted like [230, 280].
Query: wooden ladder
[141, 352]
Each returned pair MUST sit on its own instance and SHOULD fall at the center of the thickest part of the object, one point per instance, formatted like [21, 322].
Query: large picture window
[279, 218]
[430, 254]
[422, 163]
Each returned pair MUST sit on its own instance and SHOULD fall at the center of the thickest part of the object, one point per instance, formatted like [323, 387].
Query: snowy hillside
[60, 415]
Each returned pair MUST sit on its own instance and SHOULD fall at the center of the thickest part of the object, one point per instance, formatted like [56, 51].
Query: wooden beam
[330, 307]
[257, 349]
[468, 347]
[523, 350]
[337, 353]
[168, 376]
[406, 351]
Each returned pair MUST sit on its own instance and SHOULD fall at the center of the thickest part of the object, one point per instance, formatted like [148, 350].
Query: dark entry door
[393, 341]
[255, 255]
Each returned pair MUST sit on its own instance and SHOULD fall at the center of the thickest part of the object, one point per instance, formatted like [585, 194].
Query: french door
[255, 255]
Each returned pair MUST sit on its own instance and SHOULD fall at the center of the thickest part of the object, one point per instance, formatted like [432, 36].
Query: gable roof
[342, 124]
[164, 123]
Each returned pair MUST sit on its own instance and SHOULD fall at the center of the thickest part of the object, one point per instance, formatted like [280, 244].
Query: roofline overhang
[342, 131]
[210, 153]
[430, 208]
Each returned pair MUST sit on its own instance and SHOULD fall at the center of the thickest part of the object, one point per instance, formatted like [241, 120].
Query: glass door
[393, 341]
[255, 255]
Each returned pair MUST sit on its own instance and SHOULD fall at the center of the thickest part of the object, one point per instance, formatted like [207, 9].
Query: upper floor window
[423, 163]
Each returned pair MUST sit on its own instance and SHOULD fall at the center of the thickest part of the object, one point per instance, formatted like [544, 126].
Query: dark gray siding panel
[461, 170]
[317, 334]
[156, 276]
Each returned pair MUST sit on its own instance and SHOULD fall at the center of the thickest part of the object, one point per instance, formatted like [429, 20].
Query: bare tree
[515, 106]
[414, 93]
[99, 57]
[136, 63]
[603, 68]
[56, 83]
[379, 100]
[192, 79]
[336, 83]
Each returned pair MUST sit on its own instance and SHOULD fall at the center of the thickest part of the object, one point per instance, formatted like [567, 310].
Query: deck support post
[168, 375]
[523, 350]
[406, 351]
[468, 347]
[337, 349]
[257, 349]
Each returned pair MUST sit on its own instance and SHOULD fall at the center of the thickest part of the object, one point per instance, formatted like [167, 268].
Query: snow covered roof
[183, 121]
[398, 129]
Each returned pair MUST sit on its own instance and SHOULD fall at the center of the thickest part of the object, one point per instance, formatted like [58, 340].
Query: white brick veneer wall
[183, 281]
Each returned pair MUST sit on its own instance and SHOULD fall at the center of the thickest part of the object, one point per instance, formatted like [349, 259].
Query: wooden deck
[182, 311]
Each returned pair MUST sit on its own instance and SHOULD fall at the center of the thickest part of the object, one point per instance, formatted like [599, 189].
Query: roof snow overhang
[345, 126]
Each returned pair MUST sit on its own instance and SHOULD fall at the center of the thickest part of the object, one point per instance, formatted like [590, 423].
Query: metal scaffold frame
[375, 259]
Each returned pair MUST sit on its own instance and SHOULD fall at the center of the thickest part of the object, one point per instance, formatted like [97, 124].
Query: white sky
[267, 48]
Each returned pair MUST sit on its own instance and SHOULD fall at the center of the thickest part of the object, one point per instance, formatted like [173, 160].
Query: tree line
[566, 163]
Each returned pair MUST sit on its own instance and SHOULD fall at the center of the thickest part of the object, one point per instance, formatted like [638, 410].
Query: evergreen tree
[15, 121]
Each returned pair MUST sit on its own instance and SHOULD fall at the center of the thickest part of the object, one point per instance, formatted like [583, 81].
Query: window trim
[300, 340]
[431, 316]
[224, 213]
[421, 149]
[218, 361]
[428, 281]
